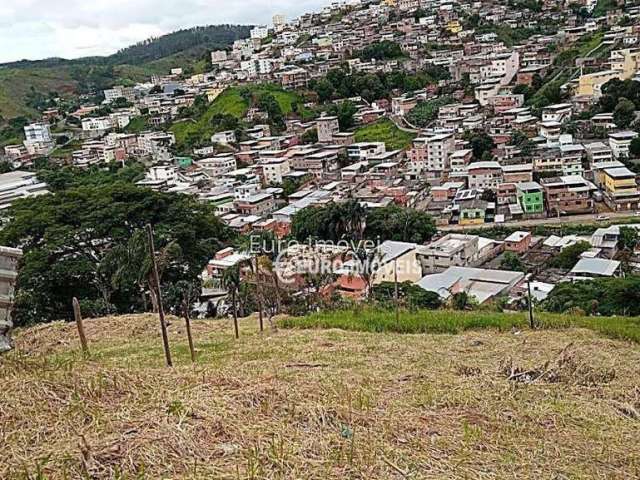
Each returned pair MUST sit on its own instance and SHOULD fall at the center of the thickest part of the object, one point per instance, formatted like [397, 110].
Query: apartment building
[621, 189]
[620, 143]
[567, 195]
[327, 127]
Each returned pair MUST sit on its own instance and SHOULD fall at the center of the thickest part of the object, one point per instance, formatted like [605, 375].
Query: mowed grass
[454, 322]
[385, 131]
[316, 404]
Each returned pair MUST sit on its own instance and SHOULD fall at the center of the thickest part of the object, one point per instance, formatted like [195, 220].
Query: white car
[602, 218]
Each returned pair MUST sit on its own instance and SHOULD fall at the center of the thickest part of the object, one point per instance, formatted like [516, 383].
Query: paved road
[573, 219]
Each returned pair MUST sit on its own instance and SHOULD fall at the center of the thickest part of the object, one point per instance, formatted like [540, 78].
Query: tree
[384, 50]
[69, 238]
[425, 112]
[625, 113]
[570, 255]
[629, 239]
[410, 295]
[481, 143]
[606, 296]
[400, 224]
[634, 148]
[345, 112]
[511, 261]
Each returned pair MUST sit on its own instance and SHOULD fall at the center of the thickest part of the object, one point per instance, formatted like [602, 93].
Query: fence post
[156, 278]
[78, 316]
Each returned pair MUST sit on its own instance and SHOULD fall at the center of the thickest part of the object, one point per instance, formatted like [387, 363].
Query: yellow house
[620, 181]
[620, 189]
[591, 83]
[390, 3]
[626, 62]
[454, 26]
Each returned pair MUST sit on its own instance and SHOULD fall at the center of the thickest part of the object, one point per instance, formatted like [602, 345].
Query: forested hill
[209, 37]
[25, 85]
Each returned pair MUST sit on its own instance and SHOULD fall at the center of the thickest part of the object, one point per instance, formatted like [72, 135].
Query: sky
[37, 29]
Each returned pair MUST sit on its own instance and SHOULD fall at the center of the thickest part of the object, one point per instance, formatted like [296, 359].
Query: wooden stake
[187, 321]
[259, 296]
[78, 316]
[156, 278]
[235, 315]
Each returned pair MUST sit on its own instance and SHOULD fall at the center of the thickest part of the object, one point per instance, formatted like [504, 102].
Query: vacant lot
[318, 404]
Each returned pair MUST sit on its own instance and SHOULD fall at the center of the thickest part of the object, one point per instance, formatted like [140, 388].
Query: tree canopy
[75, 240]
[337, 221]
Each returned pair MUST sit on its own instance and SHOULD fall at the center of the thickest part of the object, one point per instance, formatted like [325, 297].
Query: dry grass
[317, 404]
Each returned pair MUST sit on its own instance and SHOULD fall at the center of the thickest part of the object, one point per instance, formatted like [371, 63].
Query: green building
[530, 197]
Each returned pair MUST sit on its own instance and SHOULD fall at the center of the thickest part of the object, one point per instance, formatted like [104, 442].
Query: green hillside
[22, 82]
[230, 102]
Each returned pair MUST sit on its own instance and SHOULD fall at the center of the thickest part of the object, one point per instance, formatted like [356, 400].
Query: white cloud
[35, 29]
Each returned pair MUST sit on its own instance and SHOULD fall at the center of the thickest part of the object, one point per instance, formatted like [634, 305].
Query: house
[530, 197]
[258, 204]
[568, 195]
[19, 184]
[480, 284]
[360, 151]
[620, 189]
[590, 268]
[620, 142]
[518, 242]
[457, 250]
[327, 127]
[560, 112]
[224, 138]
[484, 175]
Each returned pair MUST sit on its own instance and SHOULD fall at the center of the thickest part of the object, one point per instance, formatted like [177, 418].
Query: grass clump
[455, 322]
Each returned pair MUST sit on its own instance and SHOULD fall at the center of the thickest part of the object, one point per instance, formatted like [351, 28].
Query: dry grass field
[318, 404]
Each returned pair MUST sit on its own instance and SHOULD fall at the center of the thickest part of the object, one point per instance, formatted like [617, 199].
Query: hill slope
[317, 404]
[186, 48]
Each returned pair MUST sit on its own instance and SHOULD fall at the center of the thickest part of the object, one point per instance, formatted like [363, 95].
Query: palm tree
[132, 265]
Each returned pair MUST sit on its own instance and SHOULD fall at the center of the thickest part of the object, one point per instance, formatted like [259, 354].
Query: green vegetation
[350, 221]
[425, 112]
[338, 83]
[569, 256]
[385, 50]
[410, 296]
[456, 322]
[85, 240]
[384, 130]
[603, 6]
[608, 296]
[234, 102]
[188, 49]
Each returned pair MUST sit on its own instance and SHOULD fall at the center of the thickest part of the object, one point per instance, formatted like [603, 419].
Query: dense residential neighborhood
[381, 239]
[480, 115]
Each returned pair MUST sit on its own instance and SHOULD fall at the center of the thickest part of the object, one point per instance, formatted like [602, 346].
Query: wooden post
[187, 321]
[156, 278]
[259, 294]
[532, 322]
[78, 316]
[396, 295]
[235, 314]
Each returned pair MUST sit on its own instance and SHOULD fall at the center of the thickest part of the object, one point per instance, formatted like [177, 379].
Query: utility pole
[156, 279]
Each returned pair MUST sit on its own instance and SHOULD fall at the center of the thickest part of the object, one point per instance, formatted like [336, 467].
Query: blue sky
[36, 29]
